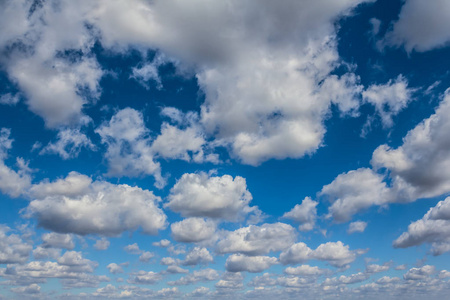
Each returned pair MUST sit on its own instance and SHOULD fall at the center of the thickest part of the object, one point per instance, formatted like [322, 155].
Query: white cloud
[260, 91]
[9, 99]
[355, 191]
[114, 268]
[358, 226]
[197, 276]
[146, 256]
[253, 264]
[197, 256]
[419, 273]
[335, 253]
[69, 144]
[193, 230]
[304, 213]
[422, 26]
[257, 240]
[95, 207]
[102, 244]
[57, 240]
[129, 146]
[433, 228]
[420, 167]
[12, 248]
[373, 268]
[133, 249]
[172, 269]
[143, 277]
[161, 243]
[199, 195]
[388, 99]
[305, 270]
[46, 253]
[354, 278]
[31, 289]
[12, 183]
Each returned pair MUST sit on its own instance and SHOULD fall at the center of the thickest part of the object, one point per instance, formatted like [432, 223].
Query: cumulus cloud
[193, 230]
[114, 268]
[250, 113]
[96, 207]
[197, 276]
[419, 273]
[143, 277]
[355, 191]
[252, 264]
[12, 248]
[129, 146]
[101, 244]
[358, 226]
[69, 144]
[197, 255]
[335, 253]
[420, 167]
[57, 240]
[433, 228]
[388, 99]
[201, 195]
[257, 240]
[9, 99]
[12, 183]
[146, 256]
[421, 26]
[305, 270]
[304, 213]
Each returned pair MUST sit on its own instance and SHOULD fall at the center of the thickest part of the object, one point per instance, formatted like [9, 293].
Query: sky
[232, 149]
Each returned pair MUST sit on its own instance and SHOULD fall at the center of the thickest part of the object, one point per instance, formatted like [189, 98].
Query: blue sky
[224, 149]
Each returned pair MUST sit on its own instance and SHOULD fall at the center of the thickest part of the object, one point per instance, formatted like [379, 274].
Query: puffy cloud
[69, 143]
[197, 256]
[161, 243]
[358, 226]
[197, 276]
[250, 112]
[186, 144]
[95, 207]
[9, 99]
[76, 262]
[305, 270]
[419, 273]
[257, 240]
[57, 240]
[129, 146]
[388, 99]
[56, 86]
[13, 183]
[373, 268]
[253, 264]
[354, 278]
[133, 249]
[296, 253]
[143, 277]
[335, 253]
[304, 213]
[199, 195]
[114, 268]
[12, 248]
[355, 191]
[46, 253]
[432, 228]
[31, 289]
[193, 230]
[420, 167]
[230, 281]
[101, 244]
[172, 269]
[421, 26]
[146, 256]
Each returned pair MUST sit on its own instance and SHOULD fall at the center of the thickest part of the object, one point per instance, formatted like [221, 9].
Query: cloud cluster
[79, 205]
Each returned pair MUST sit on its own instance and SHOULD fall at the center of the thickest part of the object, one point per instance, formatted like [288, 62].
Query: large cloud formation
[76, 204]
